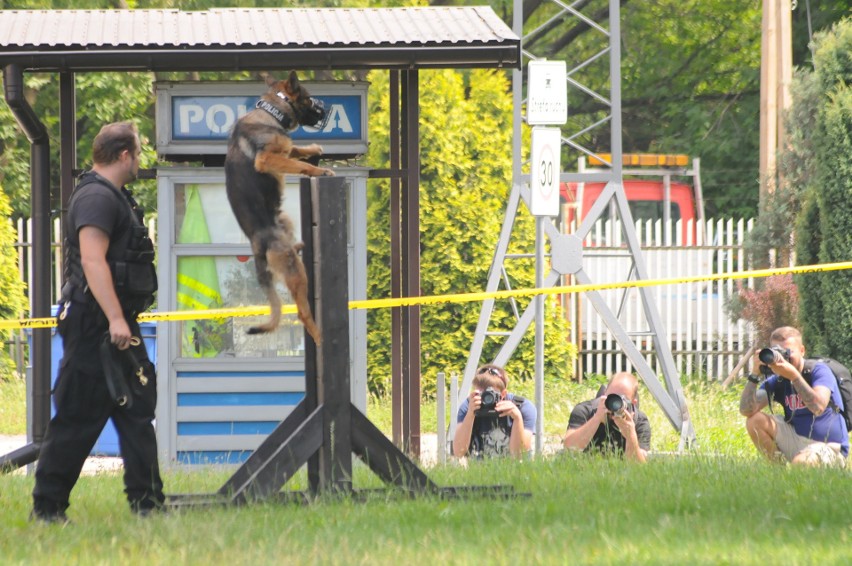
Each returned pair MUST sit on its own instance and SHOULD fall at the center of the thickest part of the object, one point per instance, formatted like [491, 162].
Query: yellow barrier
[453, 298]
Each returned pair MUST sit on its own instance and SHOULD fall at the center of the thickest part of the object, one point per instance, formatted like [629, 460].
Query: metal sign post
[547, 104]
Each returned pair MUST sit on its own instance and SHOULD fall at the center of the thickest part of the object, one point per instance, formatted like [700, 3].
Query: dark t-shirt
[102, 206]
[608, 438]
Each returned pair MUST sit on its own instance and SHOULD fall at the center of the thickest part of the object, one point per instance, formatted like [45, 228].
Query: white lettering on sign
[189, 113]
[220, 118]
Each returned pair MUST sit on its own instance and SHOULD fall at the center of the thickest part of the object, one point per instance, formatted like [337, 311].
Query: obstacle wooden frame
[325, 428]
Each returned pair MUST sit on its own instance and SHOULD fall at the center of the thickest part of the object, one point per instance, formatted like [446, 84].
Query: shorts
[818, 453]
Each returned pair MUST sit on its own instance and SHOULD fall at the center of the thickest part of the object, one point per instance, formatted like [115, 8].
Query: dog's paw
[328, 173]
[314, 149]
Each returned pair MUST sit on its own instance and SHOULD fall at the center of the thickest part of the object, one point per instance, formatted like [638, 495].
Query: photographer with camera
[612, 423]
[492, 421]
[808, 433]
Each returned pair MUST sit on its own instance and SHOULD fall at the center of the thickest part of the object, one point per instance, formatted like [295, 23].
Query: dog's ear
[270, 81]
[292, 85]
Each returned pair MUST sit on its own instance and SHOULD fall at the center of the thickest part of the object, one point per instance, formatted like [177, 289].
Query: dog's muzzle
[316, 116]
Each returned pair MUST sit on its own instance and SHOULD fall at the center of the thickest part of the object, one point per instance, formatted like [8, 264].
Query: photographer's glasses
[493, 371]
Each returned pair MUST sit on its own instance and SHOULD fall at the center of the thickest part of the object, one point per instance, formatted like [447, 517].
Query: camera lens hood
[614, 403]
[767, 356]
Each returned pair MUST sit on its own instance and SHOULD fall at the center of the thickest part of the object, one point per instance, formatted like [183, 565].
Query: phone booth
[222, 391]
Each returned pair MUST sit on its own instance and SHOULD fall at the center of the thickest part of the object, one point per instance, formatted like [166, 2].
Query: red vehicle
[646, 198]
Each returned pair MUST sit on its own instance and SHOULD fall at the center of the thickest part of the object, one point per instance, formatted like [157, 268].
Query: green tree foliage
[690, 84]
[13, 303]
[465, 179]
[772, 233]
[101, 98]
[690, 80]
[824, 232]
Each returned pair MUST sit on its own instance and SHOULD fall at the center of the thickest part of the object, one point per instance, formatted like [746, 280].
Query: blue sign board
[195, 118]
[211, 117]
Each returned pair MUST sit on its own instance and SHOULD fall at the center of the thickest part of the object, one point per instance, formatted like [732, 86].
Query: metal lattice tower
[567, 250]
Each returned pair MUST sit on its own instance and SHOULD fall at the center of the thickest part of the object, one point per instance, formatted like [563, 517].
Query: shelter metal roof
[236, 38]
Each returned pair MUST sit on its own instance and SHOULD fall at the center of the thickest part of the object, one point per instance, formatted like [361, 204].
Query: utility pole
[776, 73]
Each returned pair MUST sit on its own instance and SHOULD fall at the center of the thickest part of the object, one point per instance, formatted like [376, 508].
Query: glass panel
[203, 214]
[207, 282]
[652, 210]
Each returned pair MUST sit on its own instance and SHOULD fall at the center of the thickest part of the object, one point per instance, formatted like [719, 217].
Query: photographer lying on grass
[612, 423]
[492, 421]
[809, 432]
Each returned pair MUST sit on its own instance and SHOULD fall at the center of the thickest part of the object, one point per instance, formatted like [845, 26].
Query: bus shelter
[399, 40]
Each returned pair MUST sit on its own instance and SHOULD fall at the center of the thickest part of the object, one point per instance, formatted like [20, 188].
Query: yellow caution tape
[453, 298]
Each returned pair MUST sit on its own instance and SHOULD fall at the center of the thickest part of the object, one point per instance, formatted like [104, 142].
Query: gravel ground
[93, 465]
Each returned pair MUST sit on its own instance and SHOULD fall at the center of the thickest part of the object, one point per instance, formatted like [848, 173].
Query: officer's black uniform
[82, 400]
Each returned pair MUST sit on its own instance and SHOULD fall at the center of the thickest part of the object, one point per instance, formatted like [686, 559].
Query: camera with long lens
[616, 404]
[489, 399]
[772, 355]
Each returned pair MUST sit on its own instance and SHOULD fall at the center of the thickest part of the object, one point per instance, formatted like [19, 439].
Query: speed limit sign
[545, 168]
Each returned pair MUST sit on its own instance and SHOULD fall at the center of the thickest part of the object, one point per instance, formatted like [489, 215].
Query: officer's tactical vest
[131, 258]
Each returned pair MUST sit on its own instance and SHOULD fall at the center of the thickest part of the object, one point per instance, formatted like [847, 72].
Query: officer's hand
[119, 332]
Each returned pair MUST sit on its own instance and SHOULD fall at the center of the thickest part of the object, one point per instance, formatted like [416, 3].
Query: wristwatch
[753, 378]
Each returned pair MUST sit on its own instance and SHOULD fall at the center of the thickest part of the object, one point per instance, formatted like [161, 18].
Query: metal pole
[441, 401]
[454, 405]
[539, 334]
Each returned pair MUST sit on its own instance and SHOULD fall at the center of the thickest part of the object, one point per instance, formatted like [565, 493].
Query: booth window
[215, 269]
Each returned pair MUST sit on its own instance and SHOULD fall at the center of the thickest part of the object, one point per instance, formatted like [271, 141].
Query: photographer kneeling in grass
[612, 423]
[808, 433]
[492, 421]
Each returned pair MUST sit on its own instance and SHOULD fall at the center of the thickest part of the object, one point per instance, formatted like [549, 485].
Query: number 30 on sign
[545, 168]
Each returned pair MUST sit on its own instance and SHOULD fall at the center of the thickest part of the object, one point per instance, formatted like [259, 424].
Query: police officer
[109, 268]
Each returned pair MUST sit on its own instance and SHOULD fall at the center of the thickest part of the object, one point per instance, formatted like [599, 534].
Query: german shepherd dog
[260, 153]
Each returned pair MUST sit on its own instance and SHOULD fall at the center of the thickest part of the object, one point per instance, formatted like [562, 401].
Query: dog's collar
[282, 118]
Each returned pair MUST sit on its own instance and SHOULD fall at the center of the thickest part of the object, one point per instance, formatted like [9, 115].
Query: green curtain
[198, 284]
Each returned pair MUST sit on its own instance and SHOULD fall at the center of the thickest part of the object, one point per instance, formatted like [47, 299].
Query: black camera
[616, 404]
[772, 355]
[490, 397]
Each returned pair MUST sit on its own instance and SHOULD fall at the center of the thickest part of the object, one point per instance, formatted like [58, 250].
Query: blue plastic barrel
[107, 444]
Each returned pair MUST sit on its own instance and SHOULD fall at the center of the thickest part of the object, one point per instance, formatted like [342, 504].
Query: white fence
[702, 338]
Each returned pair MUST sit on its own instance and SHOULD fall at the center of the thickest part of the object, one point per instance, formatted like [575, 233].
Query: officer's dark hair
[112, 140]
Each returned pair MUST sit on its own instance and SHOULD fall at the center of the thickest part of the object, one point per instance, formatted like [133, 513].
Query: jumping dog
[260, 153]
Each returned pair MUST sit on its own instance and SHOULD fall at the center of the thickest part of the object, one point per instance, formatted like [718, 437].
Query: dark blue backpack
[844, 385]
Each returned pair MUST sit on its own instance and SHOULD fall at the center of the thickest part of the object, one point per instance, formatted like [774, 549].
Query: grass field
[13, 407]
[719, 504]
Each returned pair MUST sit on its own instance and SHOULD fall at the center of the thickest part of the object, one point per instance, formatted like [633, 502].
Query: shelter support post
[40, 299]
